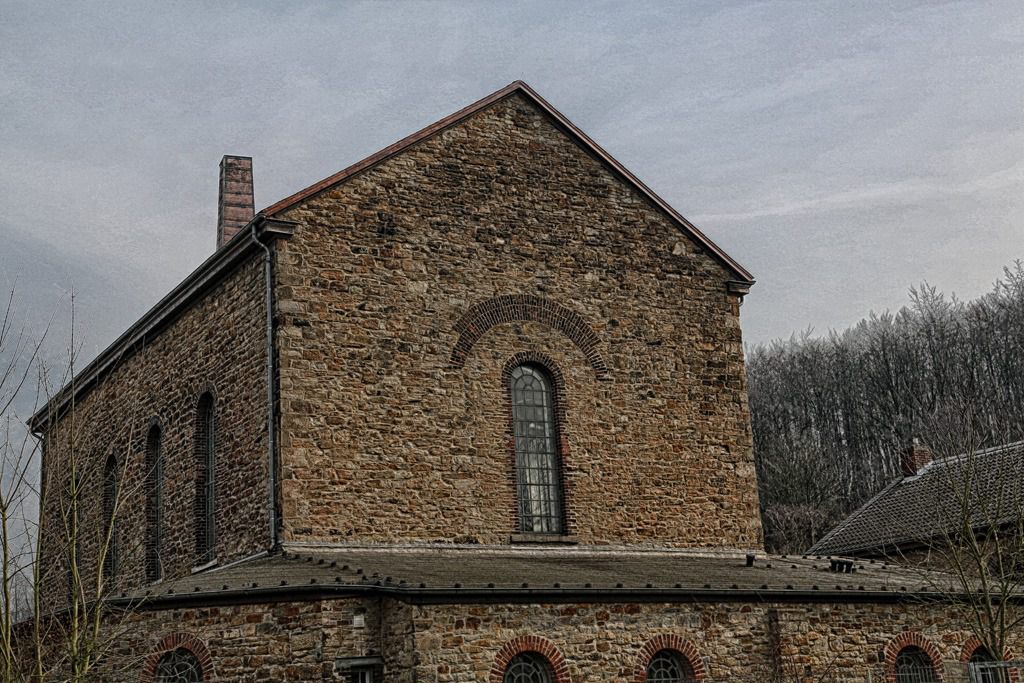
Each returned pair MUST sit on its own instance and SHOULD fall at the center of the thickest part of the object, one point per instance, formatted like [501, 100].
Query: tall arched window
[529, 667]
[668, 666]
[913, 665]
[538, 465]
[154, 496]
[206, 499]
[110, 531]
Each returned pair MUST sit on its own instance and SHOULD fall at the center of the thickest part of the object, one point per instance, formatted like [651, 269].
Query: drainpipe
[271, 431]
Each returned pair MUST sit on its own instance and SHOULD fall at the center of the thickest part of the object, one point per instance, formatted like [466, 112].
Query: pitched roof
[985, 486]
[577, 135]
[460, 574]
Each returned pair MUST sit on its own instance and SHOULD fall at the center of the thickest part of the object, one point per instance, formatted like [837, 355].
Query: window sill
[203, 567]
[549, 539]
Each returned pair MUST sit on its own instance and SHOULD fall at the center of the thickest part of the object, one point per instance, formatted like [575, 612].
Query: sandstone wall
[218, 346]
[397, 325]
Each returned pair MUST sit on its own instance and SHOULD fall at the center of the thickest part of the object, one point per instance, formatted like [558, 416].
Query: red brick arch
[675, 643]
[538, 644]
[910, 639]
[973, 643]
[516, 307]
[171, 643]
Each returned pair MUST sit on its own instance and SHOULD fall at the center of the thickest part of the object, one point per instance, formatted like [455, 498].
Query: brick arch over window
[558, 382]
[173, 642]
[668, 641]
[538, 644]
[910, 639]
[973, 643]
[522, 307]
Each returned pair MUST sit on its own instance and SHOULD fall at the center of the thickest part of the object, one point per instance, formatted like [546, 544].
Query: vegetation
[832, 414]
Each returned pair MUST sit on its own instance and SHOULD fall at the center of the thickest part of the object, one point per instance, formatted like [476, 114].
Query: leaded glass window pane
[179, 666]
[538, 474]
[668, 666]
[206, 498]
[914, 666]
[529, 667]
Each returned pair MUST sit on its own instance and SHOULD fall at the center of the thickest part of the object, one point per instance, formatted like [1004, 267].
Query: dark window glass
[668, 666]
[914, 666]
[529, 667]
[538, 467]
[179, 666]
[206, 499]
[154, 496]
[110, 492]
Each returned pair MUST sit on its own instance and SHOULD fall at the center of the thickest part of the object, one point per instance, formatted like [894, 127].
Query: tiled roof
[986, 487]
[459, 574]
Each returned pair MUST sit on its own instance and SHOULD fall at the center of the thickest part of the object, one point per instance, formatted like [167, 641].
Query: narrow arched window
[179, 666]
[206, 498]
[913, 665]
[529, 667]
[110, 530]
[668, 666]
[154, 501]
[538, 465]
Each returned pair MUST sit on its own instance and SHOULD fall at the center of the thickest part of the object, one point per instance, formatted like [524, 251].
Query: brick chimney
[915, 458]
[236, 207]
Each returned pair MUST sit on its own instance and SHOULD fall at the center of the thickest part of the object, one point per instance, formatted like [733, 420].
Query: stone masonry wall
[395, 416]
[218, 346]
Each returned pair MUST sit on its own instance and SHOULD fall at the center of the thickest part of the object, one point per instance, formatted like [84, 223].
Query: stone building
[472, 409]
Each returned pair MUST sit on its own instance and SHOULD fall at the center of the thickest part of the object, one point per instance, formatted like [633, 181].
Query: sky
[842, 151]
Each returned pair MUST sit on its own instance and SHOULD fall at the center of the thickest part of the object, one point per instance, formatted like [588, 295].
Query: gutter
[462, 596]
[145, 329]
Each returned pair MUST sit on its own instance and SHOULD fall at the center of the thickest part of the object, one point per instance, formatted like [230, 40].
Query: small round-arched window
[668, 666]
[913, 665]
[179, 666]
[529, 667]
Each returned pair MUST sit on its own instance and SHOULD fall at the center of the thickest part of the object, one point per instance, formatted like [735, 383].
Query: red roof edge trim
[579, 136]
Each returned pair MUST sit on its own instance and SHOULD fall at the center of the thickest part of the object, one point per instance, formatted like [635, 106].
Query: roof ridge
[570, 128]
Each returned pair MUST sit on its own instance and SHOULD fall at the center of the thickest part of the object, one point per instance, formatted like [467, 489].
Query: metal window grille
[913, 665]
[668, 666]
[529, 667]
[110, 492]
[981, 670]
[154, 494]
[179, 666]
[360, 676]
[205, 505]
[538, 474]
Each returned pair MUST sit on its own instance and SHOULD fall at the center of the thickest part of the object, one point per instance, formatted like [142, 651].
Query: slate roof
[493, 574]
[986, 485]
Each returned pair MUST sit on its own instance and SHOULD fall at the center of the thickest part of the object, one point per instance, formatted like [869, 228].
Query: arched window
[913, 665]
[529, 667]
[179, 666]
[538, 465]
[154, 496]
[981, 655]
[668, 666]
[110, 531]
[206, 499]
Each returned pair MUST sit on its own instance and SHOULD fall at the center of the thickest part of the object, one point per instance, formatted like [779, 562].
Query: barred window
[529, 667]
[668, 666]
[179, 666]
[110, 530]
[913, 665]
[206, 499]
[154, 495]
[538, 465]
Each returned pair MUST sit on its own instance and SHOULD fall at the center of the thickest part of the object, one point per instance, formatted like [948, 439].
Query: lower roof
[501, 574]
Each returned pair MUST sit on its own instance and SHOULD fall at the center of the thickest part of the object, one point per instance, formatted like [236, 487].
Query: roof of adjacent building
[454, 574]
[984, 487]
[227, 257]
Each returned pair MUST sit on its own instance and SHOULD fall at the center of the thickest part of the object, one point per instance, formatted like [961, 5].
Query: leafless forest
[832, 414]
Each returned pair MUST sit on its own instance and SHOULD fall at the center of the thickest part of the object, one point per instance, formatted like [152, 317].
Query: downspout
[271, 398]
